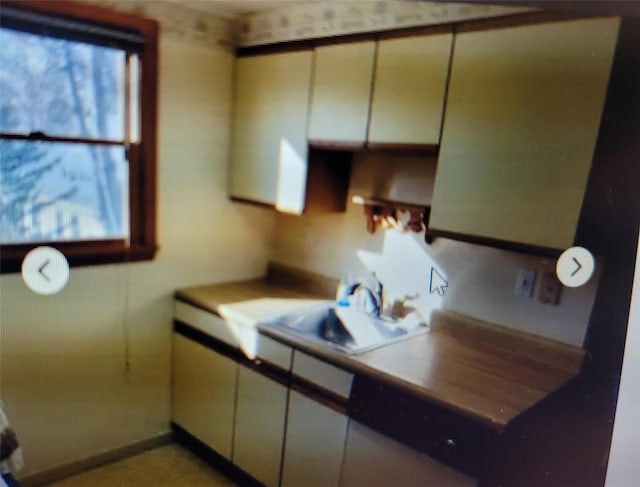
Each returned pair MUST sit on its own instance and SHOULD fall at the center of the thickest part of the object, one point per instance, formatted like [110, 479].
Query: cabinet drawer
[209, 323]
[322, 374]
[274, 352]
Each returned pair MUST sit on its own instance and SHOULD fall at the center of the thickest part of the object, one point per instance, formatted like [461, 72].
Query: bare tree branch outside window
[57, 189]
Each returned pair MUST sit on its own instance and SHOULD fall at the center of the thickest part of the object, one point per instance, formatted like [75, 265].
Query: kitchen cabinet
[341, 92]
[204, 387]
[373, 459]
[269, 142]
[314, 443]
[260, 425]
[316, 423]
[409, 89]
[522, 117]
[413, 419]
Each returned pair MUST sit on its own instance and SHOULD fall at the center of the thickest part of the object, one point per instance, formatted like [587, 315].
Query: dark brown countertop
[487, 373]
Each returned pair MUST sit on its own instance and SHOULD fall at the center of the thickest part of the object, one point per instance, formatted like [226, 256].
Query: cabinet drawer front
[204, 321]
[274, 352]
[322, 374]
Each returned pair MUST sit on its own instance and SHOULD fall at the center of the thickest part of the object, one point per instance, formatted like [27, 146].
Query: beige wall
[64, 378]
[481, 279]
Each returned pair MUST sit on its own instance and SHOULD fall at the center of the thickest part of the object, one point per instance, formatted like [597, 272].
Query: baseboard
[57, 473]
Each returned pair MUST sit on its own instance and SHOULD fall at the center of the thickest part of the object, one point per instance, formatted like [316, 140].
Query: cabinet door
[269, 144]
[314, 444]
[204, 387]
[259, 428]
[521, 123]
[373, 460]
[341, 92]
[409, 89]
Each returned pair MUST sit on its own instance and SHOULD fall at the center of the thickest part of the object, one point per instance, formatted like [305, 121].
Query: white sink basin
[343, 328]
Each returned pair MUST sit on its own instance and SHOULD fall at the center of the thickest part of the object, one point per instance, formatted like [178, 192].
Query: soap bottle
[344, 288]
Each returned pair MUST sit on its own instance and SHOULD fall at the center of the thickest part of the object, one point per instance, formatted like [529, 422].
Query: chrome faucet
[372, 301]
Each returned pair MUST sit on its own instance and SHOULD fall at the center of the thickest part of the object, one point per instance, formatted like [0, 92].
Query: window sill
[79, 254]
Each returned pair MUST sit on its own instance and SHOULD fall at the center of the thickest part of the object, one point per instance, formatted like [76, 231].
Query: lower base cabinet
[261, 412]
[283, 436]
[314, 443]
[204, 391]
[374, 460]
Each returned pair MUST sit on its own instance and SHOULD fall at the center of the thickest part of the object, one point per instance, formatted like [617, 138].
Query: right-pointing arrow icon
[577, 268]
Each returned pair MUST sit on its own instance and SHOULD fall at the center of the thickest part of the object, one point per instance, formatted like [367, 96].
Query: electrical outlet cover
[524, 282]
[550, 287]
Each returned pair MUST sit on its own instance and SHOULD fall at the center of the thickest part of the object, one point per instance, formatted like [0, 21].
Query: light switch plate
[524, 283]
[550, 287]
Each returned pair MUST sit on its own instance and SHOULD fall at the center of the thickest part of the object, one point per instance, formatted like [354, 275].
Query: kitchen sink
[343, 328]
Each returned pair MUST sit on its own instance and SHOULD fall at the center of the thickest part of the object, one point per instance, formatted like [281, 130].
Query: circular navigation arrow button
[45, 270]
[575, 266]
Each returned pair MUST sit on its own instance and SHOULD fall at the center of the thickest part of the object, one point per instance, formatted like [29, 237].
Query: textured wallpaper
[182, 23]
[325, 19]
[298, 19]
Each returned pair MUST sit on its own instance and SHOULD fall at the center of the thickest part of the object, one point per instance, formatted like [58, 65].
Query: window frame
[141, 156]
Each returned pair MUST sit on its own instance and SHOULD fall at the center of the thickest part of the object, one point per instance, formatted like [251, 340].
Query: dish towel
[10, 452]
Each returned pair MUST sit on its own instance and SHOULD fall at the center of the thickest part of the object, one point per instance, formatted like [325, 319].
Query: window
[78, 101]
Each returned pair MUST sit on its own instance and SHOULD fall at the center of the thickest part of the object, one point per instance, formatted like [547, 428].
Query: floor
[170, 466]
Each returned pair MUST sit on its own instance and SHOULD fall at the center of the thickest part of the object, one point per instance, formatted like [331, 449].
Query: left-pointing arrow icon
[41, 268]
[45, 270]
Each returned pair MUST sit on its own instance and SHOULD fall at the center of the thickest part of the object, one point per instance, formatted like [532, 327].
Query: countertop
[487, 373]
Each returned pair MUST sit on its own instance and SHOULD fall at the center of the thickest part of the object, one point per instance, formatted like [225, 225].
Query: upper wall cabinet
[409, 89]
[521, 122]
[269, 145]
[341, 89]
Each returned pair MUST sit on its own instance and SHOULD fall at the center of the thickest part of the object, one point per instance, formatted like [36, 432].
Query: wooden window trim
[142, 244]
